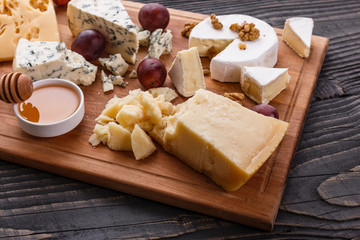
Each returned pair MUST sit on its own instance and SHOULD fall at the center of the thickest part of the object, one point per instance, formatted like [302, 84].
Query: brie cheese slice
[297, 35]
[263, 84]
[186, 72]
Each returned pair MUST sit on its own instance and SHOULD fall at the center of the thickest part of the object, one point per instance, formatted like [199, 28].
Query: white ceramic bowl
[55, 128]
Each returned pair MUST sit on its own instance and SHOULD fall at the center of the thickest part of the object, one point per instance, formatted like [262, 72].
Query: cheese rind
[25, 19]
[186, 72]
[226, 66]
[218, 137]
[111, 19]
[297, 35]
[46, 59]
[263, 84]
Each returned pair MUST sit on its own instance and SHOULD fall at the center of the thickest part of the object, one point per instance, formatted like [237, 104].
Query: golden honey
[49, 104]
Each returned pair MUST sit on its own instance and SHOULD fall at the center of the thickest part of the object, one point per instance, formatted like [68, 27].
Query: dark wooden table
[322, 196]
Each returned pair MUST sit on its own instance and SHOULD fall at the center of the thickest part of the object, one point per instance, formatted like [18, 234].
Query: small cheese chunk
[119, 138]
[169, 94]
[144, 38]
[106, 82]
[40, 60]
[115, 64]
[186, 72]
[111, 19]
[33, 20]
[117, 80]
[218, 137]
[160, 43]
[263, 84]
[141, 143]
[297, 34]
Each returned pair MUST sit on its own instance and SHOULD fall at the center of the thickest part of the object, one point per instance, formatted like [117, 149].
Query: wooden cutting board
[161, 177]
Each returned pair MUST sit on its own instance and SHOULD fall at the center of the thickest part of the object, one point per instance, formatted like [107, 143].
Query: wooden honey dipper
[15, 87]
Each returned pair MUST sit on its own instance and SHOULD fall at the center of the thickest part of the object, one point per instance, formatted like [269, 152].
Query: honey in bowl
[49, 104]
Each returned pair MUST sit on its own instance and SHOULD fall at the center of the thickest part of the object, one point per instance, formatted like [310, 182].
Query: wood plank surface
[35, 204]
[162, 177]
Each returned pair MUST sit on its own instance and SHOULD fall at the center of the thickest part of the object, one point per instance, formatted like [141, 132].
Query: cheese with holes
[263, 84]
[34, 20]
[219, 137]
[226, 66]
[111, 19]
[297, 34]
[186, 72]
[44, 59]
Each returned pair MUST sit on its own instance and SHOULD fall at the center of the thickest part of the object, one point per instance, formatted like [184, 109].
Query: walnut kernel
[212, 52]
[215, 22]
[246, 31]
[187, 29]
[242, 46]
[235, 96]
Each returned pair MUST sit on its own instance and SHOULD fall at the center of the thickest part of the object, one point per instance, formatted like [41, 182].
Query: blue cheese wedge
[107, 83]
[115, 64]
[42, 59]
[160, 43]
[262, 84]
[111, 19]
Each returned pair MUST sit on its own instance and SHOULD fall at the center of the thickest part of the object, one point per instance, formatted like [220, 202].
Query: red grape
[153, 16]
[61, 2]
[266, 110]
[89, 43]
[151, 73]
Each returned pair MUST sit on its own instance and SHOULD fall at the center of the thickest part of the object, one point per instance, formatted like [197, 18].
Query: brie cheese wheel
[186, 72]
[219, 137]
[297, 34]
[262, 84]
[226, 66]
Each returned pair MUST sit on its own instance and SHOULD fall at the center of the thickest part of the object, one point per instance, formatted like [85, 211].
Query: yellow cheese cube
[141, 143]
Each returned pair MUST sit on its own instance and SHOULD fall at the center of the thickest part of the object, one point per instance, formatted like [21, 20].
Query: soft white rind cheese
[226, 66]
[218, 137]
[40, 60]
[111, 19]
[297, 34]
[263, 84]
[186, 72]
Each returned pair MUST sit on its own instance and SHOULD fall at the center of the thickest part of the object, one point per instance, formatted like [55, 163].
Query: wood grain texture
[37, 205]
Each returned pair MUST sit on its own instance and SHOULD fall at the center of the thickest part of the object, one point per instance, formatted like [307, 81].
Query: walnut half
[215, 22]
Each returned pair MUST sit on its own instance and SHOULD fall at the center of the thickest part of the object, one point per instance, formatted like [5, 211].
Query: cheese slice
[111, 19]
[186, 72]
[226, 66]
[34, 20]
[297, 34]
[218, 137]
[263, 84]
